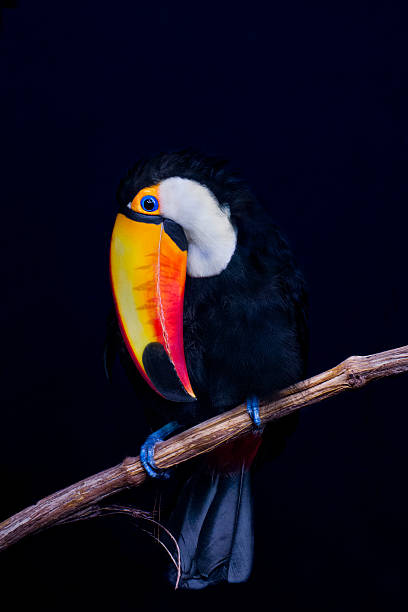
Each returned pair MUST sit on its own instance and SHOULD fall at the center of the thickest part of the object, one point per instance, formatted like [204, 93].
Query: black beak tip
[162, 374]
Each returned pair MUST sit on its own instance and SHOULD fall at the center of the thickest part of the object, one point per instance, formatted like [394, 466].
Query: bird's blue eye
[149, 203]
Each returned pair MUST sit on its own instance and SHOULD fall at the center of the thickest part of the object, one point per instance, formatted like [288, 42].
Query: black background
[309, 101]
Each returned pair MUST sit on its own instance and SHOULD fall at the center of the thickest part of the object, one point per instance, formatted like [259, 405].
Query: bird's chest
[215, 355]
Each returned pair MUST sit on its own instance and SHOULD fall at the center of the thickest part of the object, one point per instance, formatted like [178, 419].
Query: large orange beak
[148, 261]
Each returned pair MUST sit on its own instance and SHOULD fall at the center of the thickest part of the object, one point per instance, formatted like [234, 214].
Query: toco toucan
[212, 313]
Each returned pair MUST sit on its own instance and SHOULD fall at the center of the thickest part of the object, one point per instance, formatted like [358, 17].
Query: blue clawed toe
[147, 450]
[253, 411]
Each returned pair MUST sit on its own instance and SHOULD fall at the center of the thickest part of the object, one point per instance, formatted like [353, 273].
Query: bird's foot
[147, 450]
[253, 411]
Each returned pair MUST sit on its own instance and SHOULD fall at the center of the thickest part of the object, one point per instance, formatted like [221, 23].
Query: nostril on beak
[176, 233]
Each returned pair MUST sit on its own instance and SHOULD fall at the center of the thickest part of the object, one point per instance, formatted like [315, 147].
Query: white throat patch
[210, 234]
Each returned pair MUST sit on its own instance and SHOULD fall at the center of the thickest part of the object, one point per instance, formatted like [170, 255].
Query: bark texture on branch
[78, 500]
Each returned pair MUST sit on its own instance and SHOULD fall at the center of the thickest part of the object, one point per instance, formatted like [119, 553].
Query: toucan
[210, 312]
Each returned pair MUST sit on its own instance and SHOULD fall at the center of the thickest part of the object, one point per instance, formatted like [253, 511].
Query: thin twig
[75, 501]
[137, 514]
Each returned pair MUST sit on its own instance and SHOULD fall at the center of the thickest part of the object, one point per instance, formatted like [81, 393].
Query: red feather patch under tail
[232, 455]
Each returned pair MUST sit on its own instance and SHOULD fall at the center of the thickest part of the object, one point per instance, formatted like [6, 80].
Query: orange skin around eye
[153, 191]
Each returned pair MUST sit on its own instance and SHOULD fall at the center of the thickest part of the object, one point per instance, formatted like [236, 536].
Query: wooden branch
[80, 500]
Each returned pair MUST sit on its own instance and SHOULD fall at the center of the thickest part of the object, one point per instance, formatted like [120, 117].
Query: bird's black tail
[213, 527]
[215, 533]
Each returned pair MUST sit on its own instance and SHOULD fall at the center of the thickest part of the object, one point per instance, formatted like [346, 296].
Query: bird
[210, 311]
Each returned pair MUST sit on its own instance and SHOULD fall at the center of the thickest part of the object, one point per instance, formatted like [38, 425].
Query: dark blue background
[309, 101]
